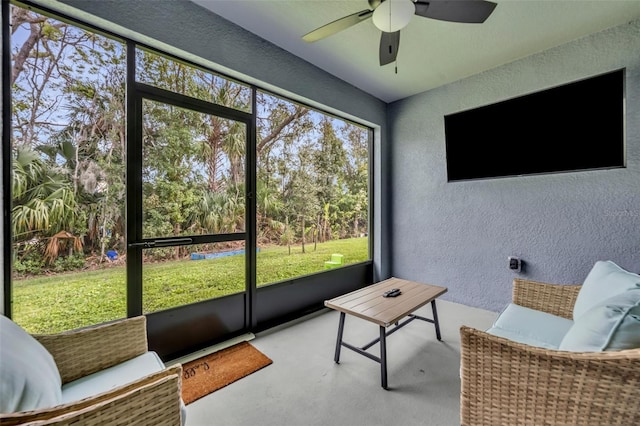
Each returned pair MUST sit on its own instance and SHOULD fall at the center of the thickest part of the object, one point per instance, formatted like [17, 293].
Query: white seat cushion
[115, 376]
[531, 327]
[112, 377]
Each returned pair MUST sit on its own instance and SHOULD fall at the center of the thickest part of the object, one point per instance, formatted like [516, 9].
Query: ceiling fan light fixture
[393, 15]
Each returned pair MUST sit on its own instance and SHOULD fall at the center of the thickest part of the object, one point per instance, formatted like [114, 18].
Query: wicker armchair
[151, 400]
[508, 383]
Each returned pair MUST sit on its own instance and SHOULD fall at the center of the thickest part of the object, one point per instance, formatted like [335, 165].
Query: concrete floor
[304, 387]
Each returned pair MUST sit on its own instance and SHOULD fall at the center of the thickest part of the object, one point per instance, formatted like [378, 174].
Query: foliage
[70, 139]
[28, 266]
[68, 121]
[43, 200]
[61, 241]
[69, 263]
[69, 168]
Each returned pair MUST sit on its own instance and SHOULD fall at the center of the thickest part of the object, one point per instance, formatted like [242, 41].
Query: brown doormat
[211, 372]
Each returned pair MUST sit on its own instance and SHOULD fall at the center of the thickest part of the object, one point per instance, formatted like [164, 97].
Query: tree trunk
[326, 234]
[176, 232]
[286, 230]
[18, 17]
[214, 141]
[103, 234]
[303, 234]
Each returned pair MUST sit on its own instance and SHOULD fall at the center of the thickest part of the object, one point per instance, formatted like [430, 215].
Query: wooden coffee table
[369, 304]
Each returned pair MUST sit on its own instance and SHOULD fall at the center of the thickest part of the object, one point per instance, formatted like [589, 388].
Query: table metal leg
[435, 319]
[336, 358]
[383, 340]
[383, 356]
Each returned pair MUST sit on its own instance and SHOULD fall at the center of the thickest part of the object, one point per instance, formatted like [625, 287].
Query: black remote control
[395, 292]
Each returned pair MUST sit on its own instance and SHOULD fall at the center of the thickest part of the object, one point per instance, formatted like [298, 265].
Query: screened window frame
[132, 299]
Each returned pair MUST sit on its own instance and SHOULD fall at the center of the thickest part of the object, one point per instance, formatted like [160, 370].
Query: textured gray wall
[5, 215]
[193, 29]
[460, 234]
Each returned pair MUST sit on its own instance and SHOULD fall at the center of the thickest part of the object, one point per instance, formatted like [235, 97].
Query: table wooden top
[368, 303]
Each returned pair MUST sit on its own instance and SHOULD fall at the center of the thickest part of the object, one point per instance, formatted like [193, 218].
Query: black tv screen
[576, 126]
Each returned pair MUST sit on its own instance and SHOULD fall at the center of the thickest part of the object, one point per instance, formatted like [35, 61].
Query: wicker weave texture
[81, 352]
[150, 400]
[554, 299]
[155, 404]
[509, 383]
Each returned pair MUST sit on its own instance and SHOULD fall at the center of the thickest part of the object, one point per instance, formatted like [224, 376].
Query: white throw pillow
[29, 377]
[611, 325]
[606, 279]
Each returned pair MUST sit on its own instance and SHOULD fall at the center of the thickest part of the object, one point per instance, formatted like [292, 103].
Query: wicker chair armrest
[508, 383]
[554, 299]
[152, 400]
[84, 351]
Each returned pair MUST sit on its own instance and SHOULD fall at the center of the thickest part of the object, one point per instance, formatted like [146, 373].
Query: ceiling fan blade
[465, 11]
[389, 44]
[337, 26]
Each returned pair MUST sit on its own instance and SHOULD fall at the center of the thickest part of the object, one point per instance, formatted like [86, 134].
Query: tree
[329, 163]
[356, 177]
[39, 73]
[268, 209]
[69, 113]
[282, 126]
[194, 162]
[69, 106]
[43, 200]
[301, 190]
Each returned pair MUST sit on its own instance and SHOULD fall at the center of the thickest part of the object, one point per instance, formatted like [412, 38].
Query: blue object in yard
[112, 254]
[200, 256]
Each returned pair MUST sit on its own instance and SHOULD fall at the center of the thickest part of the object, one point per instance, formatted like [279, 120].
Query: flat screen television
[576, 126]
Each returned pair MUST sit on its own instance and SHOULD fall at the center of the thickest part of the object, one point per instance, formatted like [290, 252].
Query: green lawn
[65, 301]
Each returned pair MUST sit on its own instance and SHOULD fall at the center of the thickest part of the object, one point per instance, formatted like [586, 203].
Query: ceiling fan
[390, 16]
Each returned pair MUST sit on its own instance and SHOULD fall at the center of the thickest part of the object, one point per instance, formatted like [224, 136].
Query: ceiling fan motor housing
[393, 15]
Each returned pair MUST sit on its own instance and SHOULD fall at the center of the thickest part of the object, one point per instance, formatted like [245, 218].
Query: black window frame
[349, 277]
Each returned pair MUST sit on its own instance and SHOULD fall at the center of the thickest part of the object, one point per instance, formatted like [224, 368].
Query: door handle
[145, 244]
[162, 243]
[172, 242]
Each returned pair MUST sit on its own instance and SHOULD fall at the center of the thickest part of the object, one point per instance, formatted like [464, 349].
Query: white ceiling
[431, 53]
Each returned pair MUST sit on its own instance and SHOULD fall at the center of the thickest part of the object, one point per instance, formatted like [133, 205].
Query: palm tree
[269, 206]
[43, 199]
[220, 212]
